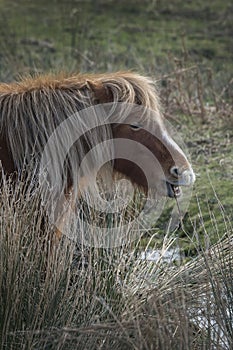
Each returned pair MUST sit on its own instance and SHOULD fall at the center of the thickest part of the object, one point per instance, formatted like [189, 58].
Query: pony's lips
[173, 191]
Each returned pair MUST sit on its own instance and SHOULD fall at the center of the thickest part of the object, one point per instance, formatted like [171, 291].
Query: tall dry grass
[70, 297]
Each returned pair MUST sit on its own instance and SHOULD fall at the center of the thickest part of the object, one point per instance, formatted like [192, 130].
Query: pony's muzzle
[179, 178]
[182, 177]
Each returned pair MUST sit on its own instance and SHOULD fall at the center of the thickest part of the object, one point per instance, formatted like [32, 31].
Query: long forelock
[132, 88]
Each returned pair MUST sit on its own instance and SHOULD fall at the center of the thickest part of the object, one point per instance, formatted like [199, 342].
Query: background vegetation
[101, 299]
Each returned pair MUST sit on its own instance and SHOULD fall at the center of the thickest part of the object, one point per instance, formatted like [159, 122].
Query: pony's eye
[135, 126]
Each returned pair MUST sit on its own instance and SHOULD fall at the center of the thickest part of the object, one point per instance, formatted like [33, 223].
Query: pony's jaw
[165, 185]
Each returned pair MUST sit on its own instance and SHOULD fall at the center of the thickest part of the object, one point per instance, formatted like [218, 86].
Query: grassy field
[103, 35]
[96, 299]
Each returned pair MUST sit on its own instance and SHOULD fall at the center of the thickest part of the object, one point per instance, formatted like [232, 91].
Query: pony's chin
[173, 191]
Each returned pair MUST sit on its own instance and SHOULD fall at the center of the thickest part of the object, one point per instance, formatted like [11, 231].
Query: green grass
[122, 34]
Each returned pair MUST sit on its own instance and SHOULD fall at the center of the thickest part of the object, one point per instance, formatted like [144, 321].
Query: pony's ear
[100, 92]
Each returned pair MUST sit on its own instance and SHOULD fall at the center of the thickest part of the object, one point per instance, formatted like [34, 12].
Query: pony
[34, 107]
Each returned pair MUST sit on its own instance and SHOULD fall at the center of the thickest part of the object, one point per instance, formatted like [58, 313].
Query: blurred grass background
[107, 35]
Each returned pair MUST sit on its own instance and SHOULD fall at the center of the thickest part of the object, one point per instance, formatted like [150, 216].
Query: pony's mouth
[173, 191]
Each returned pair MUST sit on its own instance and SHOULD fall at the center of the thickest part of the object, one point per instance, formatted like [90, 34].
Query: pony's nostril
[175, 171]
[183, 177]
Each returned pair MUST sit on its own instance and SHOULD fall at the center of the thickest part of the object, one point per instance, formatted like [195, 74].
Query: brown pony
[33, 108]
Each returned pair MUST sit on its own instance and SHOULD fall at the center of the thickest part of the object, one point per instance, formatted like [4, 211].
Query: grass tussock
[64, 296]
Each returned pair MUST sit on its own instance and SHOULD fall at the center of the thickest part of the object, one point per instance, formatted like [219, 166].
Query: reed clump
[68, 296]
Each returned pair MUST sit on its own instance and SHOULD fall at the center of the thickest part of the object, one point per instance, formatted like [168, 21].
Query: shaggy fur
[32, 108]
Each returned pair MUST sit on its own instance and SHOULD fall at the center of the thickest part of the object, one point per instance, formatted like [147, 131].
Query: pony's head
[152, 157]
[34, 108]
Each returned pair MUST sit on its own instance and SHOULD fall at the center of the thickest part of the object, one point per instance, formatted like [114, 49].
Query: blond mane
[32, 108]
